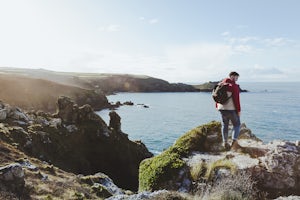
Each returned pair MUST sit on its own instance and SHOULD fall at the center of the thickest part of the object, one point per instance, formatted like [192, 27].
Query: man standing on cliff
[230, 111]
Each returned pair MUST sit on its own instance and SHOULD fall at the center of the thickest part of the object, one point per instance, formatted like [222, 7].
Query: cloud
[243, 49]
[153, 21]
[258, 69]
[225, 34]
[242, 40]
[265, 73]
[199, 61]
[149, 21]
[276, 41]
[110, 28]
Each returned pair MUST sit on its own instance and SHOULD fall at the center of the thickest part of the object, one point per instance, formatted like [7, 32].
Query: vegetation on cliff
[155, 173]
[38, 94]
[107, 83]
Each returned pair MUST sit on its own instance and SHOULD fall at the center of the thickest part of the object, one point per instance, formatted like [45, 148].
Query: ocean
[270, 110]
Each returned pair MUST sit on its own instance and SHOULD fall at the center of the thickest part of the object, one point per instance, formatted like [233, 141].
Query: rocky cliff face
[198, 158]
[76, 140]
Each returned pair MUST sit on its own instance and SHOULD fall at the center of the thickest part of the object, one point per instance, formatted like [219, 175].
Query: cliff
[65, 156]
[198, 164]
[107, 83]
[76, 140]
[39, 94]
[209, 86]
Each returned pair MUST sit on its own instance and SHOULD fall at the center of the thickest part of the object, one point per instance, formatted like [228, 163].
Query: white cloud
[153, 21]
[225, 34]
[243, 49]
[242, 40]
[276, 41]
[199, 61]
[110, 28]
[266, 73]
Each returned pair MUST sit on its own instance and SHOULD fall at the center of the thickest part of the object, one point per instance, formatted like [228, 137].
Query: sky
[189, 41]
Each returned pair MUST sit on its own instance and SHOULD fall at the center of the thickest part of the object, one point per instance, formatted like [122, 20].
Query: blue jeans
[235, 120]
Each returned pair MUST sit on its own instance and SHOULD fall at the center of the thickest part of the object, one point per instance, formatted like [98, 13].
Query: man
[230, 111]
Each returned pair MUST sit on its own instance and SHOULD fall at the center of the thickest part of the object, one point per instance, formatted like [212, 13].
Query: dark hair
[233, 74]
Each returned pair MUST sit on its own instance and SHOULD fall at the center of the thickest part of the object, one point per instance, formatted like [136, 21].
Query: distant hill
[38, 94]
[209, 86]
[108, 83]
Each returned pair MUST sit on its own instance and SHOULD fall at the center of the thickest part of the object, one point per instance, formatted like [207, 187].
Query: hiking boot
[226, 146]
[235, 146]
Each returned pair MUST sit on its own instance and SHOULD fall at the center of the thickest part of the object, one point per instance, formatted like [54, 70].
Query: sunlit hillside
[31, 93]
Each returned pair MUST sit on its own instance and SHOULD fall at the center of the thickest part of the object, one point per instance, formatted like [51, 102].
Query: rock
[55, 122]
[274, 166]
[128, 103]
[166, 169]
[103, 184]
[279, 171]
[12, 177]
[76, 139]
[3, 114]
[156, 195]
[115, 121]
[66, 110]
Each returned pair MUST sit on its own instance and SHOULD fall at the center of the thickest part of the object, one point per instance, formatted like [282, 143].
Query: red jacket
[235, 89]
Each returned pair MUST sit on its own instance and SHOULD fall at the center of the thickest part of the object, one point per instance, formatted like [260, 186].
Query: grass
[239, 186]
[198, 171]
[222, 163]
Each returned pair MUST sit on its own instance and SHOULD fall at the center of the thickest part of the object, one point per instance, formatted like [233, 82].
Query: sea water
[270, 110]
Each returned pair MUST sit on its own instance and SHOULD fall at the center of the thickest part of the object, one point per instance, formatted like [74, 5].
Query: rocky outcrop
[76, 140]
[12, 178]
[198, 157]
[24, 177]
[279, 169]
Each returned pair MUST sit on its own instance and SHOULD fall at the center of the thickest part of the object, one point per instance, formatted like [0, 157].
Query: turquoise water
[270, 110]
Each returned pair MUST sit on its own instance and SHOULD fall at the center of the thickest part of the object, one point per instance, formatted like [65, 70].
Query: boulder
[197, 157]
[12, 178]
[102, 184]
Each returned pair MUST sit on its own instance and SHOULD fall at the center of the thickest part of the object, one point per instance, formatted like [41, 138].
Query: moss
[154, 173]
[194, 139]
[157, 170]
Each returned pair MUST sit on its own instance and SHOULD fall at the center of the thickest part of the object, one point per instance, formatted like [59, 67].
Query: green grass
[222, 163]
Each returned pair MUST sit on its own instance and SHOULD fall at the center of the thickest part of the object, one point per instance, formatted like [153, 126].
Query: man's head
[234, 76]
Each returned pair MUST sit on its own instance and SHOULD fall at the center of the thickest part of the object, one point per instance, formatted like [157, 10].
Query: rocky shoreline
[92, 160]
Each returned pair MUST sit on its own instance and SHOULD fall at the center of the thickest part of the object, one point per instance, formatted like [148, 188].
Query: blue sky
[176, 40]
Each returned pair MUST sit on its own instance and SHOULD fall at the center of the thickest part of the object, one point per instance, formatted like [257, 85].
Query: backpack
[219, 93]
